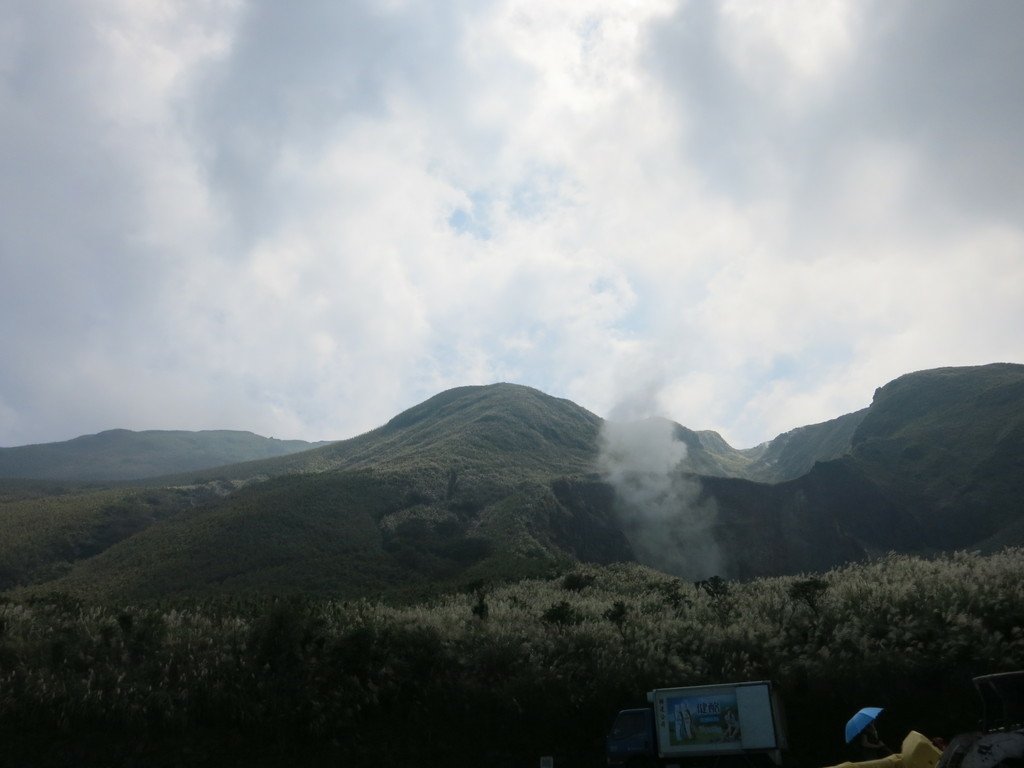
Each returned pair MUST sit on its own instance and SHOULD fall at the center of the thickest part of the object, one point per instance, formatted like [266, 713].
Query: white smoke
[667, 525]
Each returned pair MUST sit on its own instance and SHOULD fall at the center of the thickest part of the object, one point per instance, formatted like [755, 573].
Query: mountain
[936, 463]
[793, 454]
[947, 446]
[477, 483]
[120, 454]
[47, 527]
[509, 430]
[490, 483]
[786, 457]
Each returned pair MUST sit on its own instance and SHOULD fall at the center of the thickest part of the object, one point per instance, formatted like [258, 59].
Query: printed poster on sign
[698, 720]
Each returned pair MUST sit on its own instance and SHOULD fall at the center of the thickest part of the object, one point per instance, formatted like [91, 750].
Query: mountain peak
[503, 419]
[458, 399]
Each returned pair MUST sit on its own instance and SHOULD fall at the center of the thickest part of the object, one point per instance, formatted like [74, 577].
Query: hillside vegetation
[120, 454]
[460, 586]
[504, 482]
[948, 446]
[476, 483]
[48, 527]
[786, 457]
[342, 533]
[936, 463]
[506, 431]
[534, 668]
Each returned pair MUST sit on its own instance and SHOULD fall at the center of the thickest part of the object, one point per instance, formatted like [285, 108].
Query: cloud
[301, 220]
[864, 166]
[86, 242]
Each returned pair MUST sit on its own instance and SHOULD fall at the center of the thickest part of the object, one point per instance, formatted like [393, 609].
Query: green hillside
[948, 446]
[491, 483]
[936, 463]
[478, 483]
[467, 429]
[707, 453]
[786, 457]
[47, 527]
[120, 454]
[466, 563]
[794, 453]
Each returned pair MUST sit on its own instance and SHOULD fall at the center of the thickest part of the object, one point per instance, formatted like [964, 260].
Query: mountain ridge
[709, 452]
[502, 481]
[122, 454]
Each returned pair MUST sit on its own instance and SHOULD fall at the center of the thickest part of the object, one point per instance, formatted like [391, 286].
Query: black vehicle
[1000, 742]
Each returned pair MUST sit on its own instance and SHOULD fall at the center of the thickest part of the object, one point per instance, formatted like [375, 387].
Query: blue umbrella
[860, 721]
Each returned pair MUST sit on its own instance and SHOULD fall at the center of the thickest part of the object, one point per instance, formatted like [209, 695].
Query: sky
[301, 218]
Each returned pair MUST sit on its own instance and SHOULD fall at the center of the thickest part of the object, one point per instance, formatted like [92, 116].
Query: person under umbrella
[871, 745]
[862, 727]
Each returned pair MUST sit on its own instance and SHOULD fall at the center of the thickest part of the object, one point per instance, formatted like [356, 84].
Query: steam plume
[667, 527]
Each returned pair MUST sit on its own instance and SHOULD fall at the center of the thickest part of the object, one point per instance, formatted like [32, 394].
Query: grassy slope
[788, 456]
[948, 446]
[795, 453]
[120, 454]
[474, 484]
[290, 534]
[466, 429]
[45, 528]
[937, 463]
[494, 482]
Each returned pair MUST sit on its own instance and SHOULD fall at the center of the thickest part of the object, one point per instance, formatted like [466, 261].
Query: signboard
[715, 719]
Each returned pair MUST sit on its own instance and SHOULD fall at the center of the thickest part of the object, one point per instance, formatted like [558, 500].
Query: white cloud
[300, 220]
[788, 48]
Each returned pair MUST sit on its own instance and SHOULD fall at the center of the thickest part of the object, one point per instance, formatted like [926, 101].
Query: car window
[628, 724]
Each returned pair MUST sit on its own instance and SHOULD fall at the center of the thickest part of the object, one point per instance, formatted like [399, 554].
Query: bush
[543, 674]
